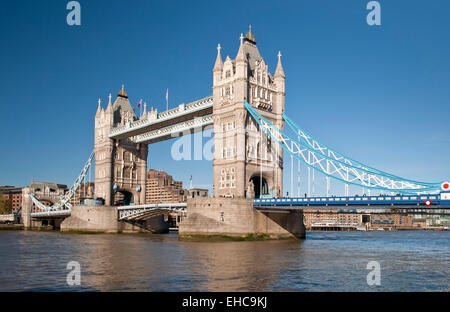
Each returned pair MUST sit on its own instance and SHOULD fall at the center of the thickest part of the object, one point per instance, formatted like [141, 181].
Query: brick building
[13, 194]
[393, 221]
[350, 218]
[313, 216]
[162, 188]
[85, 191]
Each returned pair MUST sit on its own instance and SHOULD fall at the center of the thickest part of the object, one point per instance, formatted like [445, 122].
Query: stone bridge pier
[27, 205]
[247, 162]
[238, 218]
[46, 192]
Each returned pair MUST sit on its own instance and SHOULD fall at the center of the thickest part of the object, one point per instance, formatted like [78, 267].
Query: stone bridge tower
[120, 165]
[246, 162]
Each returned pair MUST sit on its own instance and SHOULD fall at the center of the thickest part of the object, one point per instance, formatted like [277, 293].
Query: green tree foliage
[5, 205]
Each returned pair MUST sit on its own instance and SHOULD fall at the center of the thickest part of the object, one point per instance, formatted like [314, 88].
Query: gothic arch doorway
[123, 198]
[260, 186]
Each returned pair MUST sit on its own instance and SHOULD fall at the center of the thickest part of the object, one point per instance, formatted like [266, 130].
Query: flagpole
[167, 99]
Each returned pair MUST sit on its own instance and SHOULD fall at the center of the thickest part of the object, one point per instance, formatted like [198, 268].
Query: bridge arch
[125, 197]
[260, 185]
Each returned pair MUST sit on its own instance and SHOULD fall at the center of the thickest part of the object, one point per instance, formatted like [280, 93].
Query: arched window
[127, 172]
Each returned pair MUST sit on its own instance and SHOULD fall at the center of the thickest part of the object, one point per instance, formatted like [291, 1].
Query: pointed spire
[145, 110]
[279, 72]
[99, 108]
[122, 92]
[240, 55]
[218, 65]
[109, 108]
[249, 35]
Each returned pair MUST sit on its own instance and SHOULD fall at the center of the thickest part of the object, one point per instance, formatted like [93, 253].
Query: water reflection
[410, 261]
[240, 266]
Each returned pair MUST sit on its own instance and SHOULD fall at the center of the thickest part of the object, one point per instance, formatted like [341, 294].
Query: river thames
[324, 261]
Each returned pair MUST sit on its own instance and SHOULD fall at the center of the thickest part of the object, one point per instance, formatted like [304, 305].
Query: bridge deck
[163, 126]
[403, 204]
[144, 212]
[7, 218]
[343, 201]
[51, 214]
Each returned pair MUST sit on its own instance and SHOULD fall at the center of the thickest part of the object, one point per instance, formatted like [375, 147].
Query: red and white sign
[428, 203]
[445, 196]
[445, 186]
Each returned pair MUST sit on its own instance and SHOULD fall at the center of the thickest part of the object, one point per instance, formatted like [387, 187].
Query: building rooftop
[39, 184]
[8, 189]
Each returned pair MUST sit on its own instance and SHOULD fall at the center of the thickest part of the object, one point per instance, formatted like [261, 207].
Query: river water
[324, 261]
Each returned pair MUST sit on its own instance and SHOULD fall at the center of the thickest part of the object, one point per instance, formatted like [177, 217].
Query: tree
[5, 205]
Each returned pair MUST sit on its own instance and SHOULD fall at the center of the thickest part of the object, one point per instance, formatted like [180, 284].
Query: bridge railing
[423, 200]
[55, 213]
[127, 212]
[179, 127]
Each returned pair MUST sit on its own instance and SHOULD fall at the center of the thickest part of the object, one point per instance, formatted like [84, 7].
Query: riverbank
[11, 227]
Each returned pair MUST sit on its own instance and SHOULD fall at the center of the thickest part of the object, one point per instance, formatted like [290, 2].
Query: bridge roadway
[404, 204]
[168, 124]
[51, 214]
[144, 212]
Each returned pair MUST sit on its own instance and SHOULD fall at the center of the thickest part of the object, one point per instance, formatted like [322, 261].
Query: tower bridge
[247, 113]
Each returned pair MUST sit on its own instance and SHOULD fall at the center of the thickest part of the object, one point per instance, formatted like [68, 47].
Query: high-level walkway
[157, 127]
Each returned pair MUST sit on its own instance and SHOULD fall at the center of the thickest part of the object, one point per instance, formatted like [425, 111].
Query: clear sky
[379, 94]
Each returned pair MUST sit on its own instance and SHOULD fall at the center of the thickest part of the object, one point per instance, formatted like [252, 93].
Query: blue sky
[379, 94]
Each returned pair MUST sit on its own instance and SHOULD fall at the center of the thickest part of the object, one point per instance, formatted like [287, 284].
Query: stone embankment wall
[106, 219]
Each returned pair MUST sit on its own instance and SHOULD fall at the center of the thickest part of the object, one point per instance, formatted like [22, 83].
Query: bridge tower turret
[103, 148]
[246, 162]
[120, 165]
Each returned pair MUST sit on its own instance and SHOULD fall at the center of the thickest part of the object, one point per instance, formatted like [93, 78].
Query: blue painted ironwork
[397, 200]
[334, 164]
[64, 203]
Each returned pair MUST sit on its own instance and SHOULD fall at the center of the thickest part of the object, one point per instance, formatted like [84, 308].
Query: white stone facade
[120, 165]
[241, 153]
